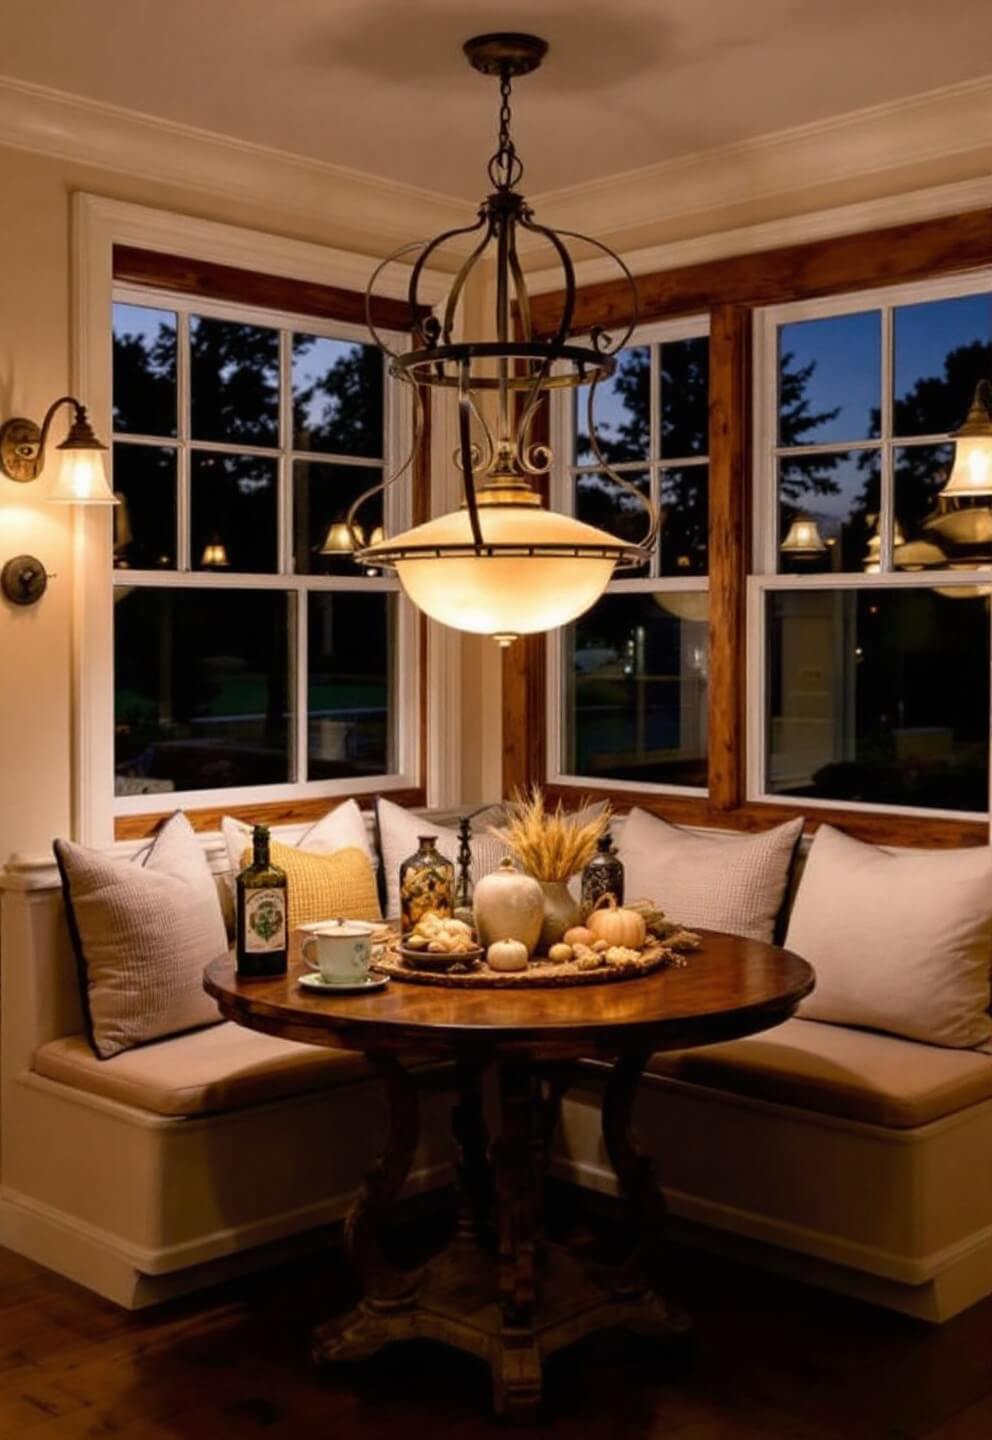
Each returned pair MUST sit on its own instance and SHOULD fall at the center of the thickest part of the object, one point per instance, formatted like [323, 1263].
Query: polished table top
[730, 987]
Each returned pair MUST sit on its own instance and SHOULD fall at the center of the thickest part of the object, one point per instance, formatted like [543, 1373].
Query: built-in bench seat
[839, 1071]
[224, 1067]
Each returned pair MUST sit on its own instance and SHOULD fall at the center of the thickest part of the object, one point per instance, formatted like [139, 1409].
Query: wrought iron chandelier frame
[498, 459]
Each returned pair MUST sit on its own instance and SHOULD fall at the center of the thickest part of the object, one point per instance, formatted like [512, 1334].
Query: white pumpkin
[617, 926]
[508, 906]
[507, 955]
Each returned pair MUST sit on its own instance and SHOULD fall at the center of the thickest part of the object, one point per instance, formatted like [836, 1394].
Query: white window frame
[99, 224]
[397, 427]
[763, 579]
[562, 492]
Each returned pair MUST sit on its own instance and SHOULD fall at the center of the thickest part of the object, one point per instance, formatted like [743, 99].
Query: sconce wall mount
[83, 477]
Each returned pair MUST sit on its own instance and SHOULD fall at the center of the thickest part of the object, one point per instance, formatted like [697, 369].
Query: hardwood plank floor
[771, 1360]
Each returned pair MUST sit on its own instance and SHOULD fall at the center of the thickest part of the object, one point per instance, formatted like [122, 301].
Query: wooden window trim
[326, 302]
[730, 290]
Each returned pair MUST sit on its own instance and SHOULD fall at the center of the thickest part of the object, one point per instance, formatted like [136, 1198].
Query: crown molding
[887, 210]
[953, 121]
[127, 142]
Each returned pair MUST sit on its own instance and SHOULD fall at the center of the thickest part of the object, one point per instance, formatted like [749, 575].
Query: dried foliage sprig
[550, 844]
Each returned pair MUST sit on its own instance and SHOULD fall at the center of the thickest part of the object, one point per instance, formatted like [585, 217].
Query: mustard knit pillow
[325, 887]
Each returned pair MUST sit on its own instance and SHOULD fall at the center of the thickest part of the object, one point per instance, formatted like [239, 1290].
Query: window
[628, 699]
[251, 654]
[869, 613]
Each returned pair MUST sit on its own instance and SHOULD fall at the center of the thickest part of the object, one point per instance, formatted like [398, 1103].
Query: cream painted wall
[35, 358]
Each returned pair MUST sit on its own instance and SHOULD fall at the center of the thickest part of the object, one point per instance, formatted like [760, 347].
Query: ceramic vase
[560, 912]
[508, 906]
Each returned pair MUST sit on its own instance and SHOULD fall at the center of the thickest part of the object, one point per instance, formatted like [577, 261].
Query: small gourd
[507, 955]
[609, 922]
[578, 935]
[560, 953]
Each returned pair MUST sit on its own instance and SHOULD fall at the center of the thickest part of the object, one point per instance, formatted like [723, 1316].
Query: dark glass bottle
[263, 943]
[604, 873]
[427, 882]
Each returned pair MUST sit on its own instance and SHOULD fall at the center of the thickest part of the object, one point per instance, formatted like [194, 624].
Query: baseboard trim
[135, 1276]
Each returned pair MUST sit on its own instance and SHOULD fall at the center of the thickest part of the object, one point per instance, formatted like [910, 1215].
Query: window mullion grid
[183, 437]
[285, 464]
[300, 684]
[886, 518]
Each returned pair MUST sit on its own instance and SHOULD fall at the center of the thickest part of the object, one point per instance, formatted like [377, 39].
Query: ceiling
[380, 86]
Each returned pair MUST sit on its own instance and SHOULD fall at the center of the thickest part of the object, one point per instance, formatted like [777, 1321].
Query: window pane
[623, 411]
[685, 520]
[685, 397]
[322, 497]
[880, 696]
[145, 519]
[337, 396]
[351, 645]
[942, 349]
[828, 512]
[637, 668]
[234, 381]
[144, 370]
[830, 379]
[601, 502]
[201, 689]
[929, 534]
[233, 512]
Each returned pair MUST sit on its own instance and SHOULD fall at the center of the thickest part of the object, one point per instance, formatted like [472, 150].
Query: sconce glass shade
[537, 569]
[214, 555]
[338, 540]
[803, 538]
[82, 478]
[971, 473]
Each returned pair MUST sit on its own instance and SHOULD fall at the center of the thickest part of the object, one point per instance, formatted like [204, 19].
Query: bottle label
[265, 921]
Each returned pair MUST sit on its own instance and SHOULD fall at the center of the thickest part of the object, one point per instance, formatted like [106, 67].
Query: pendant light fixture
[503, 564]
[971, 473]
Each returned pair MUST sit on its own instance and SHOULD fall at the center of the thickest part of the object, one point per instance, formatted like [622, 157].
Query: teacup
[340, 949]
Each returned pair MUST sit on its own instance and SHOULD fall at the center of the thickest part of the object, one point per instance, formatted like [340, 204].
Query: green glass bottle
[263, 943]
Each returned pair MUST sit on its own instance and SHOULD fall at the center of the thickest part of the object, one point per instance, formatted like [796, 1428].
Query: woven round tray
[542, 972]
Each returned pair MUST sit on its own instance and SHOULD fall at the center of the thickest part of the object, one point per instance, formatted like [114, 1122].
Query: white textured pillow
[143, 930]
[342, 828]
[399, 838]
[721, 881]
[900, 941]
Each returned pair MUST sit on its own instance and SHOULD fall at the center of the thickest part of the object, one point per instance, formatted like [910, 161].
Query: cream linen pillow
[900, 941]
[399, 837]
[720, 881]
[342, 828]
[143, 930]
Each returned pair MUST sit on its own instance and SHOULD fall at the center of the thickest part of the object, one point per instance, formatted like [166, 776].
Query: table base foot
[458, 1305]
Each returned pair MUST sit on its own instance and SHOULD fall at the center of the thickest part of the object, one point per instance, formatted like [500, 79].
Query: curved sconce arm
[23, 442]
[354, 534]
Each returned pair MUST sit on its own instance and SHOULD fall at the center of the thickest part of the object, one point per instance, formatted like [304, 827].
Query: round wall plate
[23, 580]
[516, 54]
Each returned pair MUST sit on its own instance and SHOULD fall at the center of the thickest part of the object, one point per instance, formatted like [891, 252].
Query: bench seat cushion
[857, 1074]
[223, 1068]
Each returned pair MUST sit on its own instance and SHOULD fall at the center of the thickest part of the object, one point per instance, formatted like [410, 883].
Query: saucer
[316, 981]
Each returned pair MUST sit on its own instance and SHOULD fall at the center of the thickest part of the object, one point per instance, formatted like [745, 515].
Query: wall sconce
[804, 541]
[971, 473]
[82, 480]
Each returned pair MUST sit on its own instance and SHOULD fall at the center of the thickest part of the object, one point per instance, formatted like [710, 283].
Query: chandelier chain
[505, 167]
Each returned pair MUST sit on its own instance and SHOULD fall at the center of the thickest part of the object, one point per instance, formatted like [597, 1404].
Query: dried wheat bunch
[550, 844]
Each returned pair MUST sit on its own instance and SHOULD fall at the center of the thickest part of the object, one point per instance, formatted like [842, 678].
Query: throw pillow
[720, 881]
[343, 826]
[901, 941]
[399, 836]
[324, 887]
[143, 930]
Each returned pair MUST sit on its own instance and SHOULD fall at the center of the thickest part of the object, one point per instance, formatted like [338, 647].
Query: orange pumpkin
[610, 922]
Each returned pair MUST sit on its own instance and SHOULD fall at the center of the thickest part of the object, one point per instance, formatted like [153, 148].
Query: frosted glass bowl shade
[521, 586]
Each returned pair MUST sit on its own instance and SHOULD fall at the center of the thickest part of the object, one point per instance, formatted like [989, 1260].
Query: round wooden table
[500, 1291]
